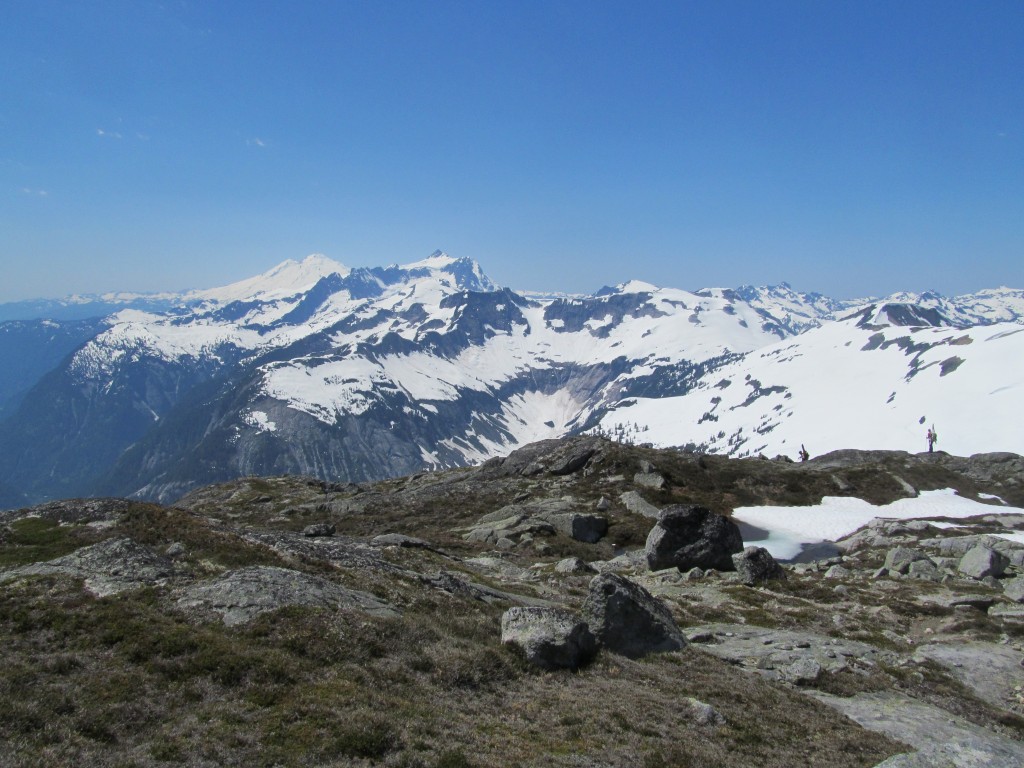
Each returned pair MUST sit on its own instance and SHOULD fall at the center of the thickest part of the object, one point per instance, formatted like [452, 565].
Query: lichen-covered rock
[692, 536]
[755, 565]
[550, 638]
[629, 620]
[240, 596]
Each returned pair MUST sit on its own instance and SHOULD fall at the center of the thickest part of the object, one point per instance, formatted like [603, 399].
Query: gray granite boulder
[628, 620]
[550, 638]
[692, 536]
[982, 561]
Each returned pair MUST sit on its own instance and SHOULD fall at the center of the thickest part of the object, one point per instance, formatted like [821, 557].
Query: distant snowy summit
[357, 373]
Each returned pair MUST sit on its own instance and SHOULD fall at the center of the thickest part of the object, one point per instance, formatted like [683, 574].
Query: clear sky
[851, 148]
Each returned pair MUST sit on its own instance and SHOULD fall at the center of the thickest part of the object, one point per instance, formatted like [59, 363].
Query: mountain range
[357, 374]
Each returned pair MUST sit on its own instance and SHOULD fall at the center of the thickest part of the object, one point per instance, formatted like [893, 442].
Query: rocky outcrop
[550, 638]
[242, 595]
[513, 522]
[112, 566]
[628, 620]
[688, 537]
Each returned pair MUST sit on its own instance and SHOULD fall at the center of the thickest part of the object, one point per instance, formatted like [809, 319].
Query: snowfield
[791, 528]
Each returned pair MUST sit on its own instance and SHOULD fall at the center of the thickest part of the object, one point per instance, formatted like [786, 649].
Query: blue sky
[850, 148]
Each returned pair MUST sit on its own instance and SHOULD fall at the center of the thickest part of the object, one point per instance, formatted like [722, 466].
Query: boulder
[550, 638]
[898, 559]
[982, 561]
[1014, 589]
[755, 565]
[691, 536]
[924, 569]
[628, 620]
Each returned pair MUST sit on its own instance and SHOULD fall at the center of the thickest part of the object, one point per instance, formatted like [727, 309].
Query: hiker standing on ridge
[804, 455]
[933, 437]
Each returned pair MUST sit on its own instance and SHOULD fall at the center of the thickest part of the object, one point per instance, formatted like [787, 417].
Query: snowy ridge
[361, 373]
[847, 386]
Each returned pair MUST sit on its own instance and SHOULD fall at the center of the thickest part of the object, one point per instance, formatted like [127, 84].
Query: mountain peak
[285, 279]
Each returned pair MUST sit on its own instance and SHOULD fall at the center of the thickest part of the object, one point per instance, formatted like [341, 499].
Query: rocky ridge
[328, 622]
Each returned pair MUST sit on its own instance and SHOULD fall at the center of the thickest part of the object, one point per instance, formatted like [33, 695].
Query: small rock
[755, 565]
[924, 569]
[841, 589]
[704, 714]
[649, 480]
[319, 529]
[399, 540]
[603, 504]
[802, 672]
[837, 572]
[177, 549]
[694, 574]
[574, 565]
[638, 505]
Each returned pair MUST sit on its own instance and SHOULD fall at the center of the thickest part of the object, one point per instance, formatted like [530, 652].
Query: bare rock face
[755, 565]
[240, 596]
[688, 537]
[551, 638]
[629, 620]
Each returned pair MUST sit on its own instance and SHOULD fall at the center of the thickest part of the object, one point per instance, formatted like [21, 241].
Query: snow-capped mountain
[358, 373]
[849, 384]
